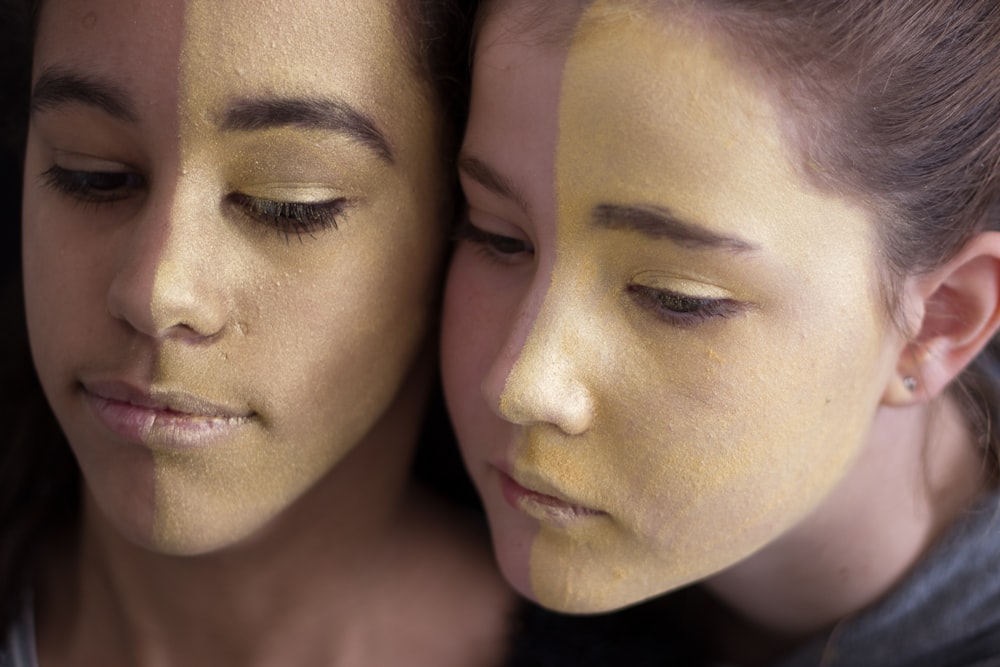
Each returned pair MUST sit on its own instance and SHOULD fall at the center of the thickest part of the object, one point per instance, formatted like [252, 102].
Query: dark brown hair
[895, 103]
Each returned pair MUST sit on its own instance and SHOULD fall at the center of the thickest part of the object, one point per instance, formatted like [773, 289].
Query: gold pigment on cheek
[291, 343]
[207, 498]
[708, 441]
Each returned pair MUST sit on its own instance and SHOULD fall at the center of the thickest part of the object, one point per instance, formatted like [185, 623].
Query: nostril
[577, 413]
[166, 300]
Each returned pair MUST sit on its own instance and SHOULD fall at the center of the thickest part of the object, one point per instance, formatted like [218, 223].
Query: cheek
[750, 450]
[325, 334]
[61, 289]
[469, 334]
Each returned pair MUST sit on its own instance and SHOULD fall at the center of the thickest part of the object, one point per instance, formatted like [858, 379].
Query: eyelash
[93, 187]
[287, 218]
[496, 247]
[290, 218]
[680, 309]
[672, 307]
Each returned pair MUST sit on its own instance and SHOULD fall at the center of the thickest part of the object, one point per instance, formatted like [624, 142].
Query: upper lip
[537, 484]
[183, 403]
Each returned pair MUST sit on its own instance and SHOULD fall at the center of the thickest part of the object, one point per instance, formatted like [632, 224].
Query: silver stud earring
[910, 383]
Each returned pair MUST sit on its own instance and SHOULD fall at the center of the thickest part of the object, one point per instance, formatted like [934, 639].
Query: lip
[540, 505]
[162, 419]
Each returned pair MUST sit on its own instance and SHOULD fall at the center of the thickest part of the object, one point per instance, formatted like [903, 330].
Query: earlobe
[958, 307]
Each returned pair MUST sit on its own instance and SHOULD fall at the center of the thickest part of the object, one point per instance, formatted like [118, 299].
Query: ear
[957, 311]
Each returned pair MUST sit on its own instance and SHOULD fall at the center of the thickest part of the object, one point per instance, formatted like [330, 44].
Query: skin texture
[243, 381]
[679, 347]
[258, 356]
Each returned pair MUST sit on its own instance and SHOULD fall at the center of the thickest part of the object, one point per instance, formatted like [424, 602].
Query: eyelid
[497, 225]
[500, 249]
[75, 161]
[694, 288]
[290, 193]
[96, 188]
[683, 310]
[289, 218]
[481, 198]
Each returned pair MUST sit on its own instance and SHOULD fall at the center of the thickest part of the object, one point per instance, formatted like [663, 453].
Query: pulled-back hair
[896, 104]
[892, 103]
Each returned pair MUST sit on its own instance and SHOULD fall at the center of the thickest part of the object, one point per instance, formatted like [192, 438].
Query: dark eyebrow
[660, 223]
[491, 179]
[58, 87]
[310, 114]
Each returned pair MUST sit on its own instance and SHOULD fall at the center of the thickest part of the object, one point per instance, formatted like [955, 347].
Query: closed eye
[498, 247]
[97, 187]
[681, 309]
[292, 218]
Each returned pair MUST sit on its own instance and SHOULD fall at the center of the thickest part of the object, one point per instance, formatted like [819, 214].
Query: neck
[319, 563]
[913, 479]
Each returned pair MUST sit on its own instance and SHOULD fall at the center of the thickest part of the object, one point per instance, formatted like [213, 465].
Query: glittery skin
[676, 446]
[178, 289]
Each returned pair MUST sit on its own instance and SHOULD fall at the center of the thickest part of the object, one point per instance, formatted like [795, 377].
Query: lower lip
[540, 505]
[162, 429]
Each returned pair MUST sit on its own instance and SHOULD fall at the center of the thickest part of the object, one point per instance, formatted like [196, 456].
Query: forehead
[629, 89]
[649, 108]
[655, 94]
[225, 48]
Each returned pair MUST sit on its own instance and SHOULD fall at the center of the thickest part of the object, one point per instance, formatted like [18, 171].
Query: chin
[187, 538]
[602, 575]
[595, 595]
[186, 531]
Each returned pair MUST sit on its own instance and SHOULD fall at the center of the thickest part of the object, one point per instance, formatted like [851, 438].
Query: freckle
[89, 19]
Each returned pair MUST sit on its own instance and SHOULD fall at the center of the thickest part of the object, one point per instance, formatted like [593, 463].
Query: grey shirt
[18, 649]
[944, 613]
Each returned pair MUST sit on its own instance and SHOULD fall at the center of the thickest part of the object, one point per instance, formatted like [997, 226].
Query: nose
[540, 375]
[167, 284]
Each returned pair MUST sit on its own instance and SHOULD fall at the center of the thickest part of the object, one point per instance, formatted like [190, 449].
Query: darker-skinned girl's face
[231, 237]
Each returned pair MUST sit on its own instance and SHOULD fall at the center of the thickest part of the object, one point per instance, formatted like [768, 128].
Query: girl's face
[231, 236]
[663, 347]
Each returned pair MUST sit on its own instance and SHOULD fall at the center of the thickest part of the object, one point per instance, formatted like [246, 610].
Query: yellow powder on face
[704, 441]
[312, 334]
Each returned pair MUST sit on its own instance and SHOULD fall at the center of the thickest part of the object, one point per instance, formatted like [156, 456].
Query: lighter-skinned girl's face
[663, 347]
[231, 236]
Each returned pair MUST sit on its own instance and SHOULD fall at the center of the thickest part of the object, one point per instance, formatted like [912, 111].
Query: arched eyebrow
[661, 223]
[57, 87]
[329, 114]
